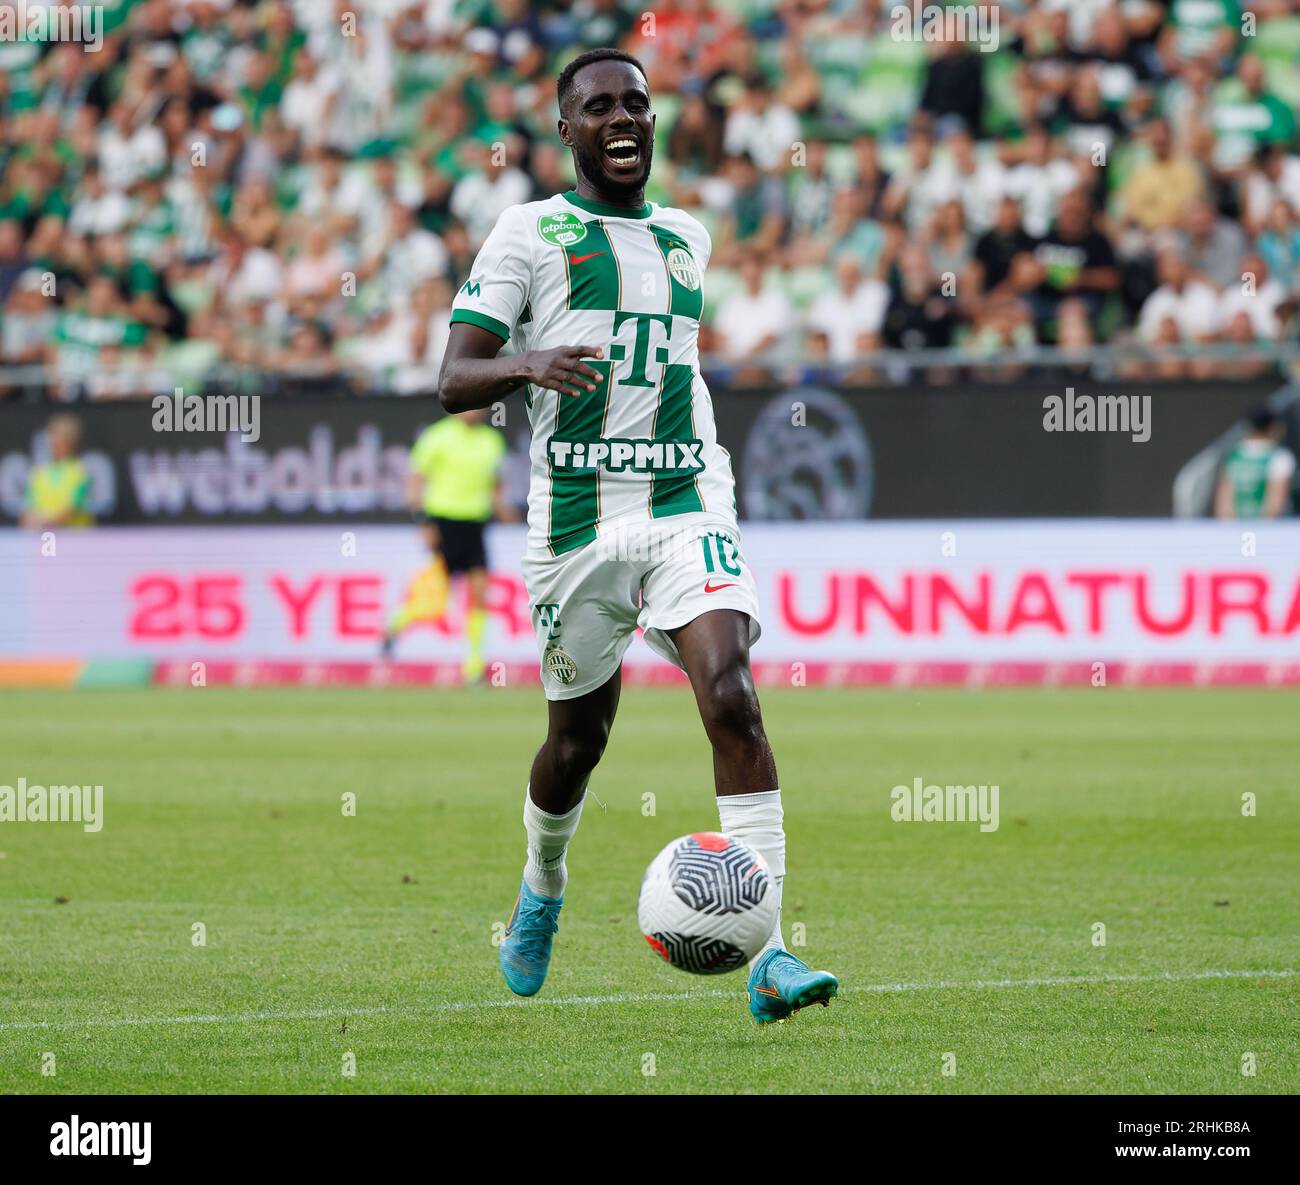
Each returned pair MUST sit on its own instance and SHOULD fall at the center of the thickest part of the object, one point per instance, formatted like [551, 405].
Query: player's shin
[548, 839]
[475, 628]
[757, 820]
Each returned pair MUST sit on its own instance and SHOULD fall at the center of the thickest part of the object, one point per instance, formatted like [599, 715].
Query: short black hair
[564, 84]
[1263, 418]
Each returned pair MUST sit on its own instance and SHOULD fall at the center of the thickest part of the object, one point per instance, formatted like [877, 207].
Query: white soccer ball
[708, 903]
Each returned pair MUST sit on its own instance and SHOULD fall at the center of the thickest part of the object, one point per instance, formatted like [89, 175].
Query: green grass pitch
[329, 935]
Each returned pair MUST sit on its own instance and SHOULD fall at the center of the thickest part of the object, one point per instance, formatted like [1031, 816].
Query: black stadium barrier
[799, 452]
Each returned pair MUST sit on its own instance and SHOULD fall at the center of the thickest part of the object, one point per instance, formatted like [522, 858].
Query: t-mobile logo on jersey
[635, 375]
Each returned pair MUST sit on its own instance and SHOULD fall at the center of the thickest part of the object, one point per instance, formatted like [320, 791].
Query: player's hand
[563, 370]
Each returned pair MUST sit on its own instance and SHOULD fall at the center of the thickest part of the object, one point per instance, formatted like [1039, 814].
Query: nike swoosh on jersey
[583, 258]
[710, 587]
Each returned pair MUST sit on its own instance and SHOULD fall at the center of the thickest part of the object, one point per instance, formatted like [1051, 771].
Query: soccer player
[1257, 472]
[601, 292]
[454, 481]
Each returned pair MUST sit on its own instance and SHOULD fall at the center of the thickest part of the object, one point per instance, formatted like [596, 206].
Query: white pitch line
[942, 985]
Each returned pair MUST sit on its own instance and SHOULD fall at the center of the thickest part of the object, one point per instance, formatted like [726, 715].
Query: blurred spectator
[755, 320]
[1001, 326]
[754, 217]
[948, 244]
[308, 101]
[486, 189]
[919, 316]
[1187, 304]
[1274, 177]
[409, 254]
[317, 270]
[28, 321]
[1250, 309]
[845, 321]
[1212, 246]
[811, 193]
[1159, 192]
[1279, 244]
[13, 258]
[1245, 115]
[761, 127]
[1073, 260]
[997, 247]
[954, 82]
[916, 191]
[978, 184]
[695, 143]
[1038, 178]
[1074, 329]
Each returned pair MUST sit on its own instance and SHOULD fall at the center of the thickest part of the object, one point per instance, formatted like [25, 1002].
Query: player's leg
[475, 624]
[576, 733]
[584, 611]
[425, 598]
[714, 651]
[464, 548]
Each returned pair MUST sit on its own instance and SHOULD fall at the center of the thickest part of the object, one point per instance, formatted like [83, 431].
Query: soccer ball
[707, 903]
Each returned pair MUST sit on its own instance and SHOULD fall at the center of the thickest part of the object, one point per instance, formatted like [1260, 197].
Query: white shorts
[657, 575]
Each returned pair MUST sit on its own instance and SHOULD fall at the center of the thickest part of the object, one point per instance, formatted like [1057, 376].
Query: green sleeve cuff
[483, 321]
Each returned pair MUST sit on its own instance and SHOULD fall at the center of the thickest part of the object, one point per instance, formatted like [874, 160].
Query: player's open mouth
[623, 153]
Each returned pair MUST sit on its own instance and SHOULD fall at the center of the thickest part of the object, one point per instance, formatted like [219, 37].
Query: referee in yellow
[455, 484]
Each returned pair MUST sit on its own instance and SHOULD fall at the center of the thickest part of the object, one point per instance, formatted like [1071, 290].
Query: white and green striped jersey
[572, 272]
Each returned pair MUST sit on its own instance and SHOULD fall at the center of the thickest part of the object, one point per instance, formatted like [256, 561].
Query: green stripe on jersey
[685, 302]
[575, 493]
[594, 281]
[482, 320]
[674, 493]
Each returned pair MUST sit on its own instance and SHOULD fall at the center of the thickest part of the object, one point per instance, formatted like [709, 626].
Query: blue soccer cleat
[525, 952]
[780, 984]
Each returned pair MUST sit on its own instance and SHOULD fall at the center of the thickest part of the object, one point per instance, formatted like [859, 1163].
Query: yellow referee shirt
[459, 463]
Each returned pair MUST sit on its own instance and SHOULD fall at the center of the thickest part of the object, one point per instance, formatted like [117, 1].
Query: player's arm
[1223, 505]
[414, 490]
[476, 374]
[1277, 496]
[483, 315]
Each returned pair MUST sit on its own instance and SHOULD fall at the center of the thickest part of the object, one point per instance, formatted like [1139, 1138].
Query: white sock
[548, 837]
[755, 819]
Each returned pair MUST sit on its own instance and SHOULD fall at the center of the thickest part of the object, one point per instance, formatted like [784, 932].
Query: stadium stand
[289, 191]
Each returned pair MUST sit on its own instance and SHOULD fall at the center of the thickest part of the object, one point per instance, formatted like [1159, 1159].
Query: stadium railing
[884, 368]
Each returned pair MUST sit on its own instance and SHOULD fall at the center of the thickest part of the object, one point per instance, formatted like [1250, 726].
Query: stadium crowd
[296, 187]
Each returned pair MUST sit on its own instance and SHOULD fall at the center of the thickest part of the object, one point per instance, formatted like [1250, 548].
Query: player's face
[610, 127]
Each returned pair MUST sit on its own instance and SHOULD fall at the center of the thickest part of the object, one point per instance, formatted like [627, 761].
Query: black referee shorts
[461, 544]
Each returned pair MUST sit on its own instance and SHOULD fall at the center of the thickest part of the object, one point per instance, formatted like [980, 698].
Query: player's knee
[576, 753]
[730, 707]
